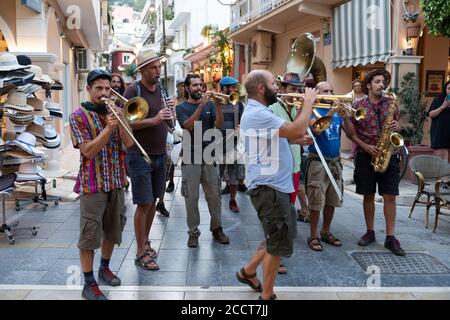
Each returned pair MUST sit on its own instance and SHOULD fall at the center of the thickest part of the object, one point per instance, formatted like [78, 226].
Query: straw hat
[39, 76]
[38, 106]
[8, 62]
[146, 56]
[17, 100]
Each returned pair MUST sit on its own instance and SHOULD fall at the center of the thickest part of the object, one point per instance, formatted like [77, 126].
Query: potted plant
[413, 109]
[412, 27]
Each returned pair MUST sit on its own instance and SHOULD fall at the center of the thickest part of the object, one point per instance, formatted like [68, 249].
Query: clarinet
[170, 123]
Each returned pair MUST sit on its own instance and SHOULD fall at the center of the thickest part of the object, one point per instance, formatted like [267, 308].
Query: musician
[365, 134]
[148, 181]
[198, 111]
[118, 84]
[319, 189]
[100, 182]
[233, 174]
[358, 95]
[269, 176]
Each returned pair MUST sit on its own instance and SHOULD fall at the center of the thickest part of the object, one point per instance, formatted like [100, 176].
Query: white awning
[361, 33]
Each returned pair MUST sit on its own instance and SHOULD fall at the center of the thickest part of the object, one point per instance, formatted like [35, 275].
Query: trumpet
[135, 108]
[221, 98]
[341, 104]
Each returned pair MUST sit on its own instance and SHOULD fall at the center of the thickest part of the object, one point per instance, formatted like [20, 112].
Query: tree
[131, 70]
[414, 108]
[437, 16]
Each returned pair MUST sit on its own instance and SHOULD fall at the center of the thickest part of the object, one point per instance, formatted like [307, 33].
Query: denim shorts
[148, 182]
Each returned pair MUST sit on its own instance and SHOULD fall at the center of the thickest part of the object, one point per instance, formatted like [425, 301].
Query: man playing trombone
[148, 181]
[100, 180]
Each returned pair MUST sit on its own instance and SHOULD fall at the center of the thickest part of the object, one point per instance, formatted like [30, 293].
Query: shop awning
[361, 33]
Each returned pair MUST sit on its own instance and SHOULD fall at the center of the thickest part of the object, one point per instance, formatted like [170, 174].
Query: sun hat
[377, 72]
[8, 62]
[25, 142]
[24, 60]
[228, 81]
[39, 76]
[54, 108]
[292, 78]
[17, 100]
[29, 88]
[30, 171]
[146, 56]
[38, 106]
[16, 77]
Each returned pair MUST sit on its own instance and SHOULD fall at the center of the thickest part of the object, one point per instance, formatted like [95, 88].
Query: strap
[91, 122]
[286, 110]
[137, 88]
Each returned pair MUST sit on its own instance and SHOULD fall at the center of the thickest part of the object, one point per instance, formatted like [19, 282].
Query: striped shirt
[106, 171]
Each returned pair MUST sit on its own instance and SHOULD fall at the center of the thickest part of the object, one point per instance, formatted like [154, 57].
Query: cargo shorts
[102, 216]
[278, 219]
[319, 190]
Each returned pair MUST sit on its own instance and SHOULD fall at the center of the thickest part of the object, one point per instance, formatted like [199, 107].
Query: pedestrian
[233, 174]
[440, 130]
[284, 109]
[319, 189]
[148, 181]
[366, 133]
[269, 176]
[100, 181]
[195, 169]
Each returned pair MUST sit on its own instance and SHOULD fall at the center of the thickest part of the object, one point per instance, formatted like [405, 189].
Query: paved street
[40, 267]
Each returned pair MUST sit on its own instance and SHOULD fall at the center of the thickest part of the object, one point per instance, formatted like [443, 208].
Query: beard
[270, 96]
[196, 95]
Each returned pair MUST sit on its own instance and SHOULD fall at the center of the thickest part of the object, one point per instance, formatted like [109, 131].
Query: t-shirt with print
[207, 119]
[329, 140]
[152, 139]
[106, 170]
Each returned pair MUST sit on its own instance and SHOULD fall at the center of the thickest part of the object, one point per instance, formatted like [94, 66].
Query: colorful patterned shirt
[369, 129]
[106, 171]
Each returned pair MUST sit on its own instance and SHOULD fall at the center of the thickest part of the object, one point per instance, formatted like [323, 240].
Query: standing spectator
[440, 126]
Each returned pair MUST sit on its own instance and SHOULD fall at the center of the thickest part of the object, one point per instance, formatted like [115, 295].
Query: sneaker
[225, 190]
[162, 209]
[233, 206]
[170, 187]
[220, 237]
[193, 241]
[109, 278]
[242, 188]
[367, 239]
[92, 292]
[394, 246]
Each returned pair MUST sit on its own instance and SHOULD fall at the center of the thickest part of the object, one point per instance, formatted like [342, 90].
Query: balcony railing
[242, 13]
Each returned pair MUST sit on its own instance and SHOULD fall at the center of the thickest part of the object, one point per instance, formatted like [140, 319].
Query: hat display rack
[29, 131]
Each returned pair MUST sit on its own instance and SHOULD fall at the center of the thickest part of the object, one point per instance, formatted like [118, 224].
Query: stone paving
[40, 267]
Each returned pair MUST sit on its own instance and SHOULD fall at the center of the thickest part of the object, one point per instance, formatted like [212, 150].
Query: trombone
[134, 111]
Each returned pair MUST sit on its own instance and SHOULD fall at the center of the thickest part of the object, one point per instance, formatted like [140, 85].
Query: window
[126, 58]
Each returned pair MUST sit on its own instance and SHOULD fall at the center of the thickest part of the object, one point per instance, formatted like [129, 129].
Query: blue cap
[228, 81]
[179, 82]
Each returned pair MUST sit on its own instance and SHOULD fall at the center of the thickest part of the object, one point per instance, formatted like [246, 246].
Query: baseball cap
[98, 73]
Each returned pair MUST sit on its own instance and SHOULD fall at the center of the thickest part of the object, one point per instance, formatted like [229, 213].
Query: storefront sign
[434, 83]
[35, 5]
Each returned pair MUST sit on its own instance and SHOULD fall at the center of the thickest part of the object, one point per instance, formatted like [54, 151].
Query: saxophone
[389, 140]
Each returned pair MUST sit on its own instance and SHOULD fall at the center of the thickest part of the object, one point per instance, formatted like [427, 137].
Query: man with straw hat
[148, 181]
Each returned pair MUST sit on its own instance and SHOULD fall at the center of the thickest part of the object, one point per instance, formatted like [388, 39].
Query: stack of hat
[46, 134]
[19, 111]
[2, 145]
[54, 108]
[12, 74]
[24, 146]
[29, 171]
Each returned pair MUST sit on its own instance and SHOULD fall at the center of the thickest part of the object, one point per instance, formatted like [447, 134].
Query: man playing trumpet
[100, 180]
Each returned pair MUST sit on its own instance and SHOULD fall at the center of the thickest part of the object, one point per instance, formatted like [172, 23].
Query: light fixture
[175, 46]
[152, 8]
[63, 35]
[169, 51]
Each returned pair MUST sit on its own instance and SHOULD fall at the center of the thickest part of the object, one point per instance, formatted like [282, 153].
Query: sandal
[314, 246]
[151, 252]
[246, 280]
[150, 265]
[272, 297]
[282, 269]
[330, 239]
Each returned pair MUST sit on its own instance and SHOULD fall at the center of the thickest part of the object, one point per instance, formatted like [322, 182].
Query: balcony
[242, 12]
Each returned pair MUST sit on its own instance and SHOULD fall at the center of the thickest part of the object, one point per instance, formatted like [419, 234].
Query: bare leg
[87, 260]
[314, 217]
[141, 226]
[107, 249]
[270, 269]
[254, 262]
[369, 210]
[328, 213]
[233, 191]
[390, 212]
[303, 200]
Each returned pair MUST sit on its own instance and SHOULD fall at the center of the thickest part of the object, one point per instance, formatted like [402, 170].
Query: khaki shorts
[319, 190]
[102, 216]
[278, 219]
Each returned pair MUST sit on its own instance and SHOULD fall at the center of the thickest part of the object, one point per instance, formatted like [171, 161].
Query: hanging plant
[437, 16]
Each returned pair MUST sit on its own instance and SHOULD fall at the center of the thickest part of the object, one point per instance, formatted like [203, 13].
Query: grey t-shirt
[207, 119]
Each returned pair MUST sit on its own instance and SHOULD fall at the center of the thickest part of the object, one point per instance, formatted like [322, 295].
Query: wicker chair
[428, 171]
